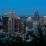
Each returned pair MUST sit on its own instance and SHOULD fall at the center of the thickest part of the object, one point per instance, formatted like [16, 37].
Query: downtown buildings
[20, 25]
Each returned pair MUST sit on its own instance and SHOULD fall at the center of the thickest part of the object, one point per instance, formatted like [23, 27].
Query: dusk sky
[23, 7]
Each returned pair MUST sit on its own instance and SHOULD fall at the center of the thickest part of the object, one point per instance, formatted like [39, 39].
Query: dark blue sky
[23, 7]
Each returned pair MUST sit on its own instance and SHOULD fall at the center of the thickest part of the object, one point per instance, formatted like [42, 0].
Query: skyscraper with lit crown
[36, 16]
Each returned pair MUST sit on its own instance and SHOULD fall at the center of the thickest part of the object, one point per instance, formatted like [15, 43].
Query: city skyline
[24, 7]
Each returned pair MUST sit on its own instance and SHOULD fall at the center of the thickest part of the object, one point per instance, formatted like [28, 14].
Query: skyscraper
[11, 26]
[36, 16]
[5, 22]
[11, 23]
[29, 22]
[44, 19]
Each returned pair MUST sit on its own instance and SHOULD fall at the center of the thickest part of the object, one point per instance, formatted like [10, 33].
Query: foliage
[39, 40]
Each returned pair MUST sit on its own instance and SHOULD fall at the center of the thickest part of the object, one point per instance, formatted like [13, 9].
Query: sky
[23, 7]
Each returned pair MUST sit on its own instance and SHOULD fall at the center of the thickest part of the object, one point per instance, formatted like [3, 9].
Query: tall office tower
[17, 24]
[11, 23]
[5, 22]
[23, 26]
[29, 23]
[44, 19]
[36, 16]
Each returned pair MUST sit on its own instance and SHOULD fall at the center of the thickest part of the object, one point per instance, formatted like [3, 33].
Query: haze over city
[23, 7]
